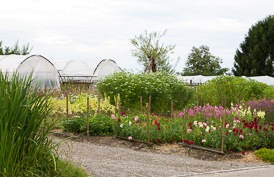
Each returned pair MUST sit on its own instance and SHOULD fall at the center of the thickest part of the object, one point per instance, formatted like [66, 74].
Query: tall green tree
[256, 54]
[201, 62]
[16, 50]
[152, 54]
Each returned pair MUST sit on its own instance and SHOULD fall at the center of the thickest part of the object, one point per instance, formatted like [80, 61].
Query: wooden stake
[149, 104]
[223, 134]
[190, 83]
[88, 116]
[116, 104]
[119, 110]
[141, 102]
[98, 103]
[148, 139]
[186, 113]
[171, 108]
[67, 109]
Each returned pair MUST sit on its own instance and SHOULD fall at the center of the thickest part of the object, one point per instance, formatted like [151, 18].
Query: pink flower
[250, 134]
[129, 138]
[227, 125]
[214, 128]
[144, 124]
[189, 130]
[136, 118]
[204, 140]
[113, 116]
[241, 137]
[152, 115]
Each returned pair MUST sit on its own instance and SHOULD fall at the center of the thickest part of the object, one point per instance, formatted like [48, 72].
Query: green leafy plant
[162, 87]
[265, 154]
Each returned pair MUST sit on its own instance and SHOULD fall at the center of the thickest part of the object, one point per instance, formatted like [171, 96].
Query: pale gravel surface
[102, 160]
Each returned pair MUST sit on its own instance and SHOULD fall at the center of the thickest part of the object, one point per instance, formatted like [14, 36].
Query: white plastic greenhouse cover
[44, 71]
[202, 79]
[94, 69]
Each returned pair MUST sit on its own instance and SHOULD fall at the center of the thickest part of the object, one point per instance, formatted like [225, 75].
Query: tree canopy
[256, 54]
[151, 54]
[16, 50]
[201, 62]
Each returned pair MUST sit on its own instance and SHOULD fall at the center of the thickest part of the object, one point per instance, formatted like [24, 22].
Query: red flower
[243, 152]
[158, 140]
[191, 127]
[152, 115]
[160, 115]
[167, 120]
[124, 113]
[166, 117]
[191, 142]
[159, 128]
[260, 127]
[190, 123]
[241, 131]
[119, 120]
[229, 151]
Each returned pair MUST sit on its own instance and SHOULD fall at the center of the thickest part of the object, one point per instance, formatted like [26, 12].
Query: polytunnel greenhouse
[199, 79]
[89, 70]
[44, 72]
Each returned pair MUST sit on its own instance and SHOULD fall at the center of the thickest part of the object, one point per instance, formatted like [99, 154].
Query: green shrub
[162, 87]
[98, 125]
[235, 89]
[265, 154]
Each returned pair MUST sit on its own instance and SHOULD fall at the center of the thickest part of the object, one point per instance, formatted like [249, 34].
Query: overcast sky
[92, 29]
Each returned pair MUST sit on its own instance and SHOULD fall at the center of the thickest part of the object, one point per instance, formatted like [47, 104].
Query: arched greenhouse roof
[95, 69]
[199, 79]
[43, 70]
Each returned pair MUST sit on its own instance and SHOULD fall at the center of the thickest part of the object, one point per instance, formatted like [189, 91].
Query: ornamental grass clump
[25, 149]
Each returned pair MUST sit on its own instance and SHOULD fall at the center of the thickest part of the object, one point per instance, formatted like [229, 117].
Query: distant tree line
[16, 50]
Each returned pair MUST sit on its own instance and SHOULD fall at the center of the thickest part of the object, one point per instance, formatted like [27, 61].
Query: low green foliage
[67, 169]
[235, 89]
[162, 87]
[98, 124]
[265, 154]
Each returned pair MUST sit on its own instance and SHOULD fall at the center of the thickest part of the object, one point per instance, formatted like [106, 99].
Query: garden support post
[190, 83]
[186, 114]
[149, 104]
[87, 116]
[223, 134]
[119, 110]
[148, 139]
[171, 111]
[67, 110]
[116, 104]
[98, 102]
[141, 102]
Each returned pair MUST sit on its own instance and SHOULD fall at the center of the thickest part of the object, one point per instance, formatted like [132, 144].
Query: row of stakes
[148, 111]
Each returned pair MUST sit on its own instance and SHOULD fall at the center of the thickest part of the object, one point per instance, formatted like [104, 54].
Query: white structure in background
[89, 70]
[202, 79]
[43, 70]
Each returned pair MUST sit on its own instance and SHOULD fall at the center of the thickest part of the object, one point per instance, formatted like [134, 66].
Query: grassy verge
[266, 155]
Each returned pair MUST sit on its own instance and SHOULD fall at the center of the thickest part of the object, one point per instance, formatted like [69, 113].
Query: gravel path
[101, 160]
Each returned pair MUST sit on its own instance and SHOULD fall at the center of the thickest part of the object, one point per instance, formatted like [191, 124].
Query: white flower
[207, 129]
[195, 123]
[121, 125]
[229, 131]
[129, 123]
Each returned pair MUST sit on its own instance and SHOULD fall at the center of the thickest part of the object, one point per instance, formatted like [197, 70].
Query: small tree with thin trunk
[151, 54]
